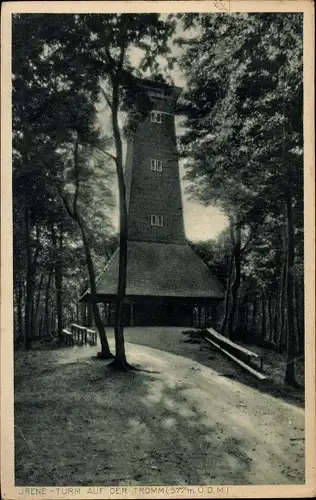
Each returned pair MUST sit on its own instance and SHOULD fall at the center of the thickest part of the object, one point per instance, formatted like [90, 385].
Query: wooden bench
[251, 370]
[231, 346]
[69, 340]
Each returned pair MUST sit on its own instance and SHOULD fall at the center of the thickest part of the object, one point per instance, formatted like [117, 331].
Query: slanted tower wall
[154, 189]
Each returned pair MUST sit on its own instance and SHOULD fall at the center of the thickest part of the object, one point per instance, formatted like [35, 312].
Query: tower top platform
[161, 90]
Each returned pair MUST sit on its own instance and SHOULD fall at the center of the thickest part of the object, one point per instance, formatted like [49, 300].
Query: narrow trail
[187, 423]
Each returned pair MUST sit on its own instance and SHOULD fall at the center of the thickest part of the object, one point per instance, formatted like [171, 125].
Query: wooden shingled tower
[166, 281]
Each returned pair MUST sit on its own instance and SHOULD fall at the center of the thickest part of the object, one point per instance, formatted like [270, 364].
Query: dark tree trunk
[283, 340]
[299, 310]
[33, 309]
[236, 284]
[38, 299]
[214, 314]
[120, 356]
[263, 317]
[58, 279]
[29, 280]
[296, 322]
[78, 311]
[31, 262]
[19, 299]
[275, 320]
[254, 315]
[40, 326]
[271, 324]
[281, 329]
[246, 314]
[227, 295]
[85, 314]
[241, 323]
[89, 320]
[53, 322]
[291, 348]
[105, 349]
[46, 313]
[229, 280]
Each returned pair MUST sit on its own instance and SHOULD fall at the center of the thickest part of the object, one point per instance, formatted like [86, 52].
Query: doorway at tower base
[161, 313]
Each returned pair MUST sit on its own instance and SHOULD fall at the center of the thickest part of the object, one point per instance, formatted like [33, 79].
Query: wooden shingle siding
[162, 270]
[152, 194]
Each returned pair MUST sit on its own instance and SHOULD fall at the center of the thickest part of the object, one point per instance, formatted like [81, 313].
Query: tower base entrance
[157, 312]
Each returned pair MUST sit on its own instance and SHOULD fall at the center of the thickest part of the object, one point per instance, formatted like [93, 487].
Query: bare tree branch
[77, 180]
[106, 97]
[104, 152]
[242, 250]
[110, 59]
[65, 201]
[36, 253]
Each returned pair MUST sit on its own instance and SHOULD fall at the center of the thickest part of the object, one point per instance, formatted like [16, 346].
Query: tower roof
[160, 270]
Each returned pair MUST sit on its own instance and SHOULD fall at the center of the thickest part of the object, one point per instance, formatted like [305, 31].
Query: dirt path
[172, 340]
[186, 423]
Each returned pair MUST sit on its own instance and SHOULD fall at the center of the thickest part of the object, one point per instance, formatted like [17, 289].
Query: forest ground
[190, 418]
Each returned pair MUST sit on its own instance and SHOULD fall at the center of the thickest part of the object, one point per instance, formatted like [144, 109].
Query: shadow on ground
[173, 340]
[76, 422]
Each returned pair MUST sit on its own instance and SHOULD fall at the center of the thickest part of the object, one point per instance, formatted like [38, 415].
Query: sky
[201, 223]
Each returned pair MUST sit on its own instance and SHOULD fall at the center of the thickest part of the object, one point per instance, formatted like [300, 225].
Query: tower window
[156, 165]
[156, 220]
[156, 117]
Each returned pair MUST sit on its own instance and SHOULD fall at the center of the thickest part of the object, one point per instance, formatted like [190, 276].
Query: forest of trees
[63, 66]
[243, 147]
[73, 80]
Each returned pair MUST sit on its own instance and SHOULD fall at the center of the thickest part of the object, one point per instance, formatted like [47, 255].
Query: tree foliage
[64, 66]
[244, 148]
[53, 106]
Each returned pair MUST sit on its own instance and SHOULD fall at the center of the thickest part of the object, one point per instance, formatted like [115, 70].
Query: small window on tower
[156, 165]
[156, 117]
[156, 220]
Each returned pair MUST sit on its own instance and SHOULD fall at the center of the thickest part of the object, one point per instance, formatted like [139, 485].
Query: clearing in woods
[192, 418]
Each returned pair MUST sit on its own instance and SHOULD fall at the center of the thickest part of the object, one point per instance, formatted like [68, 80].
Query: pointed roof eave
[88, 291]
